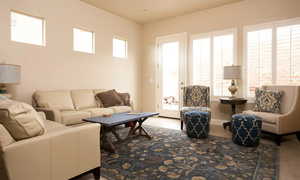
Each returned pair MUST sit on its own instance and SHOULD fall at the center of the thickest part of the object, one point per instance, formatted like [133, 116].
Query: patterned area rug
[172, 155]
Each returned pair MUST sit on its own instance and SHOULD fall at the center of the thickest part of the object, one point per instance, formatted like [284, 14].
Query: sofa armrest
[58, 155]
[51, 114]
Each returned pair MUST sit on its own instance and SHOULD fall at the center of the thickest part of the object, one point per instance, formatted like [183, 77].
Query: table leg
[142, 131]
[106, 142]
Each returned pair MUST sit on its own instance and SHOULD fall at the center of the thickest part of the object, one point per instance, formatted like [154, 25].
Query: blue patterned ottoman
[197, 124]
[246, 129]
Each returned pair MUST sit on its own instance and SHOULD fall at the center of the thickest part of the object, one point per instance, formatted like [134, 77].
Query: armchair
[195, 97]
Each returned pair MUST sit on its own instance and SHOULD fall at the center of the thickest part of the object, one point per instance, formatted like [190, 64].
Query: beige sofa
[60, 154]
[288, 121]
[69, 107]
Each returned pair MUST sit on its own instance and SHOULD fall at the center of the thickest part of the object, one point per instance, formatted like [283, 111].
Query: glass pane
[259, 59]
[119, 48]
[83, 41]
[223, 56]
[201, 62]
[170, 75]
[27, 29]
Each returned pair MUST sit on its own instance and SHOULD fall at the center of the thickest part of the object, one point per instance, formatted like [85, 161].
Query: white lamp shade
[10, 74]
[232, 72]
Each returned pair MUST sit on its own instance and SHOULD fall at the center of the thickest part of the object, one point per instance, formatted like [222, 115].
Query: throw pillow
[125, 98]
[267, 100]
[20, 120]
[110, 98]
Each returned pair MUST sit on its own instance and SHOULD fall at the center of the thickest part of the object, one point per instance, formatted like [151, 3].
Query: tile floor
[289, 149]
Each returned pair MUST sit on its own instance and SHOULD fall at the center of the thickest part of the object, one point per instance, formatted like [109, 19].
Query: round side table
[233, 102]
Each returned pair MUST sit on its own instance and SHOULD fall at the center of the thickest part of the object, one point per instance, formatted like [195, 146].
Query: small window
[27, 29]
[83, 41]
[119, 48]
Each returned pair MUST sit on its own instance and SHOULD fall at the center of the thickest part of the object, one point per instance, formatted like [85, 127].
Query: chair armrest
[51, 114]
[289, 122]
[58, 155]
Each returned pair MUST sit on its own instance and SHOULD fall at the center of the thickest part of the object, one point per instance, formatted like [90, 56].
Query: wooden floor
[289, 149]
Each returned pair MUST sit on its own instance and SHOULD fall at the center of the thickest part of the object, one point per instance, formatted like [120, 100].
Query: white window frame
[211, 36]
[93, 40]
[32, 16]
[126, 47]
[270, 25]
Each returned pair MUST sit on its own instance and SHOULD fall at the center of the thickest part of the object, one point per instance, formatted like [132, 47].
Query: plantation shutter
[259, 59]
[288, 55]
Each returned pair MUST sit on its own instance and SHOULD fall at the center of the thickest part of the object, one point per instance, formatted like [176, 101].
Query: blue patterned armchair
[195, 97]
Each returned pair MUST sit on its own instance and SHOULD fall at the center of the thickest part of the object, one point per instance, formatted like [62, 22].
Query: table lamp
[9, 74]
[232, 73]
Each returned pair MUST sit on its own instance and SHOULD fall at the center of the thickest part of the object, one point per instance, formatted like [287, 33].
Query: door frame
[183, 41]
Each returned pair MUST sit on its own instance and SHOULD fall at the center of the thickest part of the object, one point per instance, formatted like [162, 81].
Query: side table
[233, 102]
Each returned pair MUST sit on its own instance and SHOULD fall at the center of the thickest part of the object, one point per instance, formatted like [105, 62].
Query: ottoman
[197, 124]
[246, 129]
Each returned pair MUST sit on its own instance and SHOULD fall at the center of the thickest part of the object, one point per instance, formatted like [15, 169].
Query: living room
[64, 60]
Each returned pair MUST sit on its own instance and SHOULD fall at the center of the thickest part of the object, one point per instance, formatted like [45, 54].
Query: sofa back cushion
[20, 119]
[60, 99]
[83, 99]
[290, 93]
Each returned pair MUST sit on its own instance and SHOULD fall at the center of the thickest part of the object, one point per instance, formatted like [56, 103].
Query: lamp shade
[10, 74]
[232, 72]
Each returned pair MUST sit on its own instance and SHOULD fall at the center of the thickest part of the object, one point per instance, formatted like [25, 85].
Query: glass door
[171, 66]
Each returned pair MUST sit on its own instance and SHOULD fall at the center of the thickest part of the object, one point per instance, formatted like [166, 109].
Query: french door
[171, 73]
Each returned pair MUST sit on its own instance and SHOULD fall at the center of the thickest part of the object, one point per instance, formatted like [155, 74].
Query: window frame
[257, 27]
[93, 40]
[126, 47]
[31, 16]
[211, 36]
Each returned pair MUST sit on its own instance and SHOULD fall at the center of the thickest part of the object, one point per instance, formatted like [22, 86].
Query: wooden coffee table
[109, 124]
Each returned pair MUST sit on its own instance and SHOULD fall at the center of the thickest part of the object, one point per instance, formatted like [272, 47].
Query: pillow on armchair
[267, 100]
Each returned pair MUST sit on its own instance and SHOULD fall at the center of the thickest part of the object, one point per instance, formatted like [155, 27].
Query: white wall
[235, 15]
[57, 66]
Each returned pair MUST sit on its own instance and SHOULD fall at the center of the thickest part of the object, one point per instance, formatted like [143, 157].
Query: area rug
[172, 155]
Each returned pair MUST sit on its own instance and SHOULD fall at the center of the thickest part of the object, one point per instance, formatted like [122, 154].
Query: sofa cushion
[121, 109]
[125, 98]
[99, 111]
[267, 100]
[83, 99]
[110, 98]
[61, 100]
[21, 120]
[73, 117]
[52, 126]
[270, 118]
[5, 138]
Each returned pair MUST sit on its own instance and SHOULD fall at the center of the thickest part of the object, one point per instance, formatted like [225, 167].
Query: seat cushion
[52, 126]
[73, 117]
[99, 111]
[121, 109]
[83, 99]
[270, 118]
[20, 120]
[54, 99]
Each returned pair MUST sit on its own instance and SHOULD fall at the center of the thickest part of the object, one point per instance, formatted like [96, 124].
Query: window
[272, 54]
[210, 53]
[119, 48]
[27, 29]
[83, 41]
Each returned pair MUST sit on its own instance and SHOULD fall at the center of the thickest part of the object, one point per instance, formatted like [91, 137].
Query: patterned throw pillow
[267, 100]
[125, 98]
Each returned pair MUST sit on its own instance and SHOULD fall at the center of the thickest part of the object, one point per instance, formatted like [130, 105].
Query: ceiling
[144, 11]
